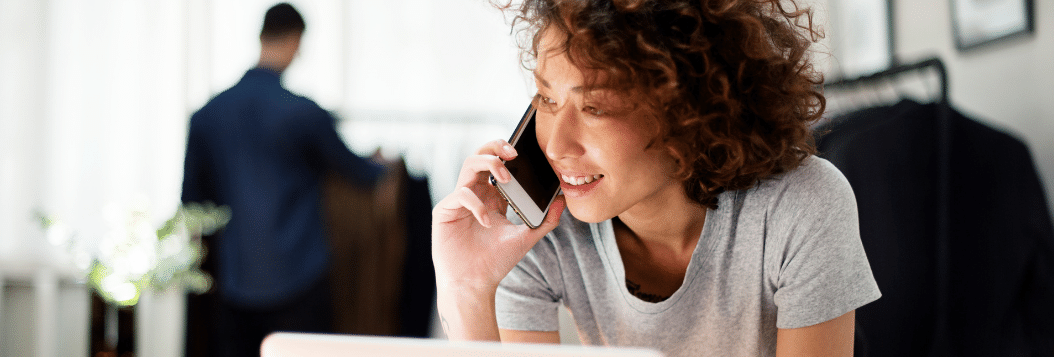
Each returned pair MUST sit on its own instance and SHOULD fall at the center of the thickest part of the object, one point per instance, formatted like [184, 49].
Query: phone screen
[531, 168]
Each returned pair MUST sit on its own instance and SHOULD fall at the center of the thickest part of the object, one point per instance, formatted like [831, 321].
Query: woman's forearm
[467, 314]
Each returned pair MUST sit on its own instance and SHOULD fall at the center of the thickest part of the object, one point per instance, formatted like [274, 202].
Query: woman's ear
[681, 165]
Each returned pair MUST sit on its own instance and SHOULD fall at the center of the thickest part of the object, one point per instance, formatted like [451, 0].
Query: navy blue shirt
[262, 151]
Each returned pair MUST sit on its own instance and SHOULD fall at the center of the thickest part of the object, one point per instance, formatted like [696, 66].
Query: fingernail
[509, 150]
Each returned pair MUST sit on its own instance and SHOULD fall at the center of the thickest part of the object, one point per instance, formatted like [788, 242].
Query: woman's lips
[579, 180]
[576, 191]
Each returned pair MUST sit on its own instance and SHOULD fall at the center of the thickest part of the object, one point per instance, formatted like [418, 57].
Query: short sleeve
[529, 296]
[821, 269]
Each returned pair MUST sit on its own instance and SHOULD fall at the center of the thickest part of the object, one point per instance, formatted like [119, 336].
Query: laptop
[288, 344]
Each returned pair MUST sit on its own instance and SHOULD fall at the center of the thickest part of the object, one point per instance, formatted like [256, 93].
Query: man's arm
[831, 338]
[195, 168]
[334, 154]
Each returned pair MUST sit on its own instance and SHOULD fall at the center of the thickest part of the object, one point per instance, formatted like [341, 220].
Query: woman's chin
[586, 213]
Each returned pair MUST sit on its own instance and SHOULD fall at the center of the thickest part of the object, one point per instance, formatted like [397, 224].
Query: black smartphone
[534, 185]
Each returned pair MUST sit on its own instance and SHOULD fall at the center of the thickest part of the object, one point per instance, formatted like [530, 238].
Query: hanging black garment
[419, 277]
[382, 277]
[1000, 273]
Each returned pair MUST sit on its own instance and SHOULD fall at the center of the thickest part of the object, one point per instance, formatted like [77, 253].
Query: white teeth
[580, 180]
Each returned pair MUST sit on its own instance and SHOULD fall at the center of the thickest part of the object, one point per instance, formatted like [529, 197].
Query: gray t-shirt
[783, 254]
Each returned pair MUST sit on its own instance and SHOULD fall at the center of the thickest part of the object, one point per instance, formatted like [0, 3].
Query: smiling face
[600, 151]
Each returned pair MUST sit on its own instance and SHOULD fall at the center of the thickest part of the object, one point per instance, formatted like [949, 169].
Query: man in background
[263, 151]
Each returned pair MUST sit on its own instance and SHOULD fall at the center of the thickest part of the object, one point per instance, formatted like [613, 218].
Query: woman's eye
[546, 102]
[594, 111]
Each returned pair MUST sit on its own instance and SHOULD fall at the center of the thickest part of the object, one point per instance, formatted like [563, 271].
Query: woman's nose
[560, 135]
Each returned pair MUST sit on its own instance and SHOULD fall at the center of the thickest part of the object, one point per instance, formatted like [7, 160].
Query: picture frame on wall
[977, 23]
[862, 36]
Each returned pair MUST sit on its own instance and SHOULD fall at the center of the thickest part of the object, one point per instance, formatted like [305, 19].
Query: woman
[697, 220]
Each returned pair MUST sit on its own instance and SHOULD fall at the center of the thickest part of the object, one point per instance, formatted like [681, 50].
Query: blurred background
[95, 99]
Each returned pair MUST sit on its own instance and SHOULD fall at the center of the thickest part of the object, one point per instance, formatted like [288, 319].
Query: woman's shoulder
[813, 170]
[815, 181]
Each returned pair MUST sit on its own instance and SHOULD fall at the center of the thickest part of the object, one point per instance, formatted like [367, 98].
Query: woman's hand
[473, 245]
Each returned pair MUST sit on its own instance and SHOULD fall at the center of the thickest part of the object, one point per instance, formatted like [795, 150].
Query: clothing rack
[896, 71]
[940, 345]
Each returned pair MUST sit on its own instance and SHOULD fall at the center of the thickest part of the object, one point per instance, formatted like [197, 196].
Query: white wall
[1006, 85]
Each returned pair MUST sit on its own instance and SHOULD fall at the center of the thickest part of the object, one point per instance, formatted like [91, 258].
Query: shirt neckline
[604, 236]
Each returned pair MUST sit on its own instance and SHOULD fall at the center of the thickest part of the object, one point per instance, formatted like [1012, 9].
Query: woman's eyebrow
[545, 83]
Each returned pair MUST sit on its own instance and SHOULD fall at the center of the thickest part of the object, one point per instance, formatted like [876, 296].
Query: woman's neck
[669, 219]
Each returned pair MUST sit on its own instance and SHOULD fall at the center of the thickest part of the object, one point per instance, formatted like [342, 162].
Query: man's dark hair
[282, 19]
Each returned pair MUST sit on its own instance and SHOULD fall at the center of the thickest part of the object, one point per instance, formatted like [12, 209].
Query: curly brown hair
[729, 82]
